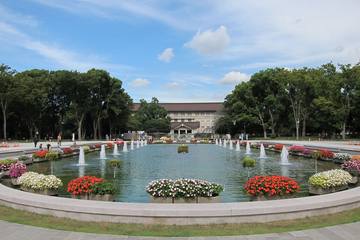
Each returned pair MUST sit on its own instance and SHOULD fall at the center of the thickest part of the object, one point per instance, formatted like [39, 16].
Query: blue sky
[178, 50]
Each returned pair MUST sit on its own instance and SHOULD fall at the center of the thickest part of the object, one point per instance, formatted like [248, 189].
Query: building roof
[189, 107]
[189, 125]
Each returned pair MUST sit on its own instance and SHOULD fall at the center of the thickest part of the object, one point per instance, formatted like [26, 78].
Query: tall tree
[7, 86]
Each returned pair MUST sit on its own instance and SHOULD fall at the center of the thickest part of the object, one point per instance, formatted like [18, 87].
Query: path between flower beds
[13, 231]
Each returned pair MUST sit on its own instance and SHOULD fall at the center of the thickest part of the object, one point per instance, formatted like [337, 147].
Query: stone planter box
[96, 197]
[27, 162]
[4, 174]
[354, 180]
[49, 192]
[15, 181]
[265, 198]
[319, 191]
[186, 200]
[39, 160]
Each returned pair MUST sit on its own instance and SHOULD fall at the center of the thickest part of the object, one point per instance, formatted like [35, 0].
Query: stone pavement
[13, 231]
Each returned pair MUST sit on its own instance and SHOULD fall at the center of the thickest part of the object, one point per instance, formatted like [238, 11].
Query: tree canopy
[91, 104]
[306, 101]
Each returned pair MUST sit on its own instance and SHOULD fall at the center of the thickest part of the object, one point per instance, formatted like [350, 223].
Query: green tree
[7, 94]
[153, 117]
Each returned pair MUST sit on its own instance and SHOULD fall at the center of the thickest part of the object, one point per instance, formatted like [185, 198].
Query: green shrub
[316, 155]
[114, 163]
[183, 148]
[248, 162]
[86, 148]
[52, 156]
[103, 188]
[23, 158]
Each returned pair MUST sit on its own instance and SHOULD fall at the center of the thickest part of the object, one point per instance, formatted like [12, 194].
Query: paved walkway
[12, 231]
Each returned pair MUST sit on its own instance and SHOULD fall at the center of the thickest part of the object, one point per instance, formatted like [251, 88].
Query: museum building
[192, 118]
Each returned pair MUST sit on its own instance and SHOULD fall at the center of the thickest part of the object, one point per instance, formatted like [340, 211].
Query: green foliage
[52, 156]
[115, 163]
[319, 100]
[23, 158]
[316, 155]
[86, 149]
[151, 117]
[183, 148]
[248, 162]
[68, 101]
[103, 188]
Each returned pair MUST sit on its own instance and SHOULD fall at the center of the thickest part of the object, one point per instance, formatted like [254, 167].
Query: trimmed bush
[183, 148]
[52, 156]
[248, 162]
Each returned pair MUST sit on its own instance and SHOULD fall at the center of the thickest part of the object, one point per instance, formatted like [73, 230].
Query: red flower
[326, 153]
[271, 185]
[67, 150]
[82, 184]
[40, 154]
[278, 146]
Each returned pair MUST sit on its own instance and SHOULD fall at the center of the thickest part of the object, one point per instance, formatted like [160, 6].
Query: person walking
[59, 139]
[36, 139]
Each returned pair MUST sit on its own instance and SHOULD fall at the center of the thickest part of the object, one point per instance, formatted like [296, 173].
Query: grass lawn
[23, 217]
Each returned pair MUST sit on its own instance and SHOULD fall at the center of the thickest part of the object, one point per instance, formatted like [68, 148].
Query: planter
[354, 180]
[98, 197]
[49, 192]
[39, 160]
[319, 191]
[265, 198]
[209, 199]
[15, 181]
[81, 196]
[186, 200]
[2, 174]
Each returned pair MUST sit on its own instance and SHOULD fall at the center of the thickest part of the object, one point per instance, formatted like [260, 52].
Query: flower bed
[278, 147]
[40, 183]
[184, 189]
[40, 154]
[52, 156]
[297, 149]
[329, 181]
[67, 150]
[267, 187]
[352, 166]
[5, 164]
[92, 188]
[16, 170]
[110, 145]
[326, 154]
[341, 157]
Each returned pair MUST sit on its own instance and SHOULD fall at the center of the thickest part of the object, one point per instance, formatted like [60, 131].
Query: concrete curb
[181, 214]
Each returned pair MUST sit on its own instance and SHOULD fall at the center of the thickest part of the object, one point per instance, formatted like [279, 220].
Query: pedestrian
[40, 146]
[36, 138]
[48, 146]
[59, 139]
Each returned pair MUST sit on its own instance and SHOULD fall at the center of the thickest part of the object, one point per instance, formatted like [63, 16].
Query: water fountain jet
[262, 151]
[125, 147]
[102, 152]
[248, 149]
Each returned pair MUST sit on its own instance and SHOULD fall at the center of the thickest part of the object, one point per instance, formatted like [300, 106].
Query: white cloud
[68, 59]
[234, 77]
[167, 55]
[173, 85]
[210, 42]
[140, 82]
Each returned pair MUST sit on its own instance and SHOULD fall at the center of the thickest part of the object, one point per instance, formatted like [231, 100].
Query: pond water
[204, 161]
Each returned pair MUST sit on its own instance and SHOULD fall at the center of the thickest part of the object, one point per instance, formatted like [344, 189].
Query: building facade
[192, 118]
